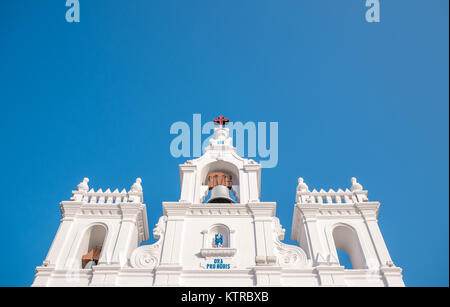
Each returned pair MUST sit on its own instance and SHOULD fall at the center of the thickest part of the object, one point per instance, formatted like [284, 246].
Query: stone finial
[221, 139]
[83, 186]
[356, 186]
[136, 187]
[302, 186]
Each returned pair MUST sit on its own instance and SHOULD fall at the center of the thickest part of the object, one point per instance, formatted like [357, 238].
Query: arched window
[91, 246]
[346, 242]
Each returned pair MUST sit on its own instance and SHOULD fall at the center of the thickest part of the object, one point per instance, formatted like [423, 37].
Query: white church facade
[231, 238]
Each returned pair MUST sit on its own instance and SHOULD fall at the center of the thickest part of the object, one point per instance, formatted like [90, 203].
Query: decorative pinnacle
[136, 187]
[221, 121]
[83, 186]
[356, 186]
[302, 186]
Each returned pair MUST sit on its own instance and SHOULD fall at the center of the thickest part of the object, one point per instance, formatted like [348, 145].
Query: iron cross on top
[221, 120]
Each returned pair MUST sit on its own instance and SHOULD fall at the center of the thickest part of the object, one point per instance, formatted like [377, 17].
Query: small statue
[83, 186]
[355, 185]
[302, 186]
[136, 187]
[218, 240]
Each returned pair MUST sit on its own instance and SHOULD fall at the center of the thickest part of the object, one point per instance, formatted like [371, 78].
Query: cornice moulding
[218, 252]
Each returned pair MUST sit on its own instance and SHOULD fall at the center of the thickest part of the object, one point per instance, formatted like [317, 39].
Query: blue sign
[218, 265]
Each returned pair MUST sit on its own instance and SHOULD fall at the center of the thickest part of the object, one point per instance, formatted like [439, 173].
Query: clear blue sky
[97, 99]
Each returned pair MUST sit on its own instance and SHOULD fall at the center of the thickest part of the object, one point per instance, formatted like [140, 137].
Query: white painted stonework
[251, 252]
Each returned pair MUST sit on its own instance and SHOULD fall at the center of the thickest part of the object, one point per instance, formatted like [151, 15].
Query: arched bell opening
[220, 184]
[91, 246]
[348, 247]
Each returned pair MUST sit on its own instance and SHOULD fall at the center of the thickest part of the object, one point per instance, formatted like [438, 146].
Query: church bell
[220, 185]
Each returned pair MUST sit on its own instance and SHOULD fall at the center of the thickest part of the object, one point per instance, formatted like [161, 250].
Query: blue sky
[97, 99]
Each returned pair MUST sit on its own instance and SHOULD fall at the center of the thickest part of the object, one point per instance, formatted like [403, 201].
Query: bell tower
[327, 221]
[220, 167]
[97, 234]
[230, 234]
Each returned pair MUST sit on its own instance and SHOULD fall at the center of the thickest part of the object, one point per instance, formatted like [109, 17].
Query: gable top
[220, 156]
